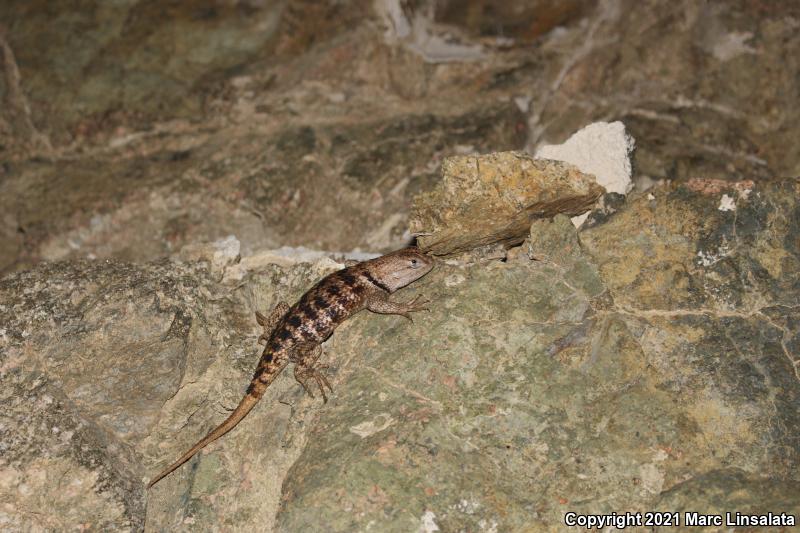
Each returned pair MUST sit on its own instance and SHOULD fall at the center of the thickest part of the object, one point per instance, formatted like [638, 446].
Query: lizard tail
[263, 377]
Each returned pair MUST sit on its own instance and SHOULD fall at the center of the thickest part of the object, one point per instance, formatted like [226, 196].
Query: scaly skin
[294, 334]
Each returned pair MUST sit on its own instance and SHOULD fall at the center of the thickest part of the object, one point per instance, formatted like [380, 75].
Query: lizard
[295, 334]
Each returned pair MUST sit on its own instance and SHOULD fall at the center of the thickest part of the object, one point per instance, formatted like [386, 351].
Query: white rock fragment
[726, 203]
[284, 256]
[428, 523]
[468, 506]
[367, 428]
[523, 103]
[707, 258]
[287, 256]
[602, 149]
[652, 479]
[487, 526]
[660, 455]
[731, 45]
[226, 250]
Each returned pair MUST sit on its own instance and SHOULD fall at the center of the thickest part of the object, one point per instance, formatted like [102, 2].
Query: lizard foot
[303, 373]
[417, 304]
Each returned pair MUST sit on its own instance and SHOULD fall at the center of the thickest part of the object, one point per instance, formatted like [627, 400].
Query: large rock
[88, 355]
[647, 361]
[613, 379]
[105, 366]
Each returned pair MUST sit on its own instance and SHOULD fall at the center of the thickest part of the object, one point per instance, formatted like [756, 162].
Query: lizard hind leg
[269, 322]
[307, 366]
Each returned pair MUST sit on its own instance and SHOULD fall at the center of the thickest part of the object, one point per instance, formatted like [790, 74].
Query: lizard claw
[321, 380]
[305, 387]
[302, 374]
[417, 304]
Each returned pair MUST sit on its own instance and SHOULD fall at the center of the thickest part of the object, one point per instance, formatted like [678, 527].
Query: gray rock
[730, 490]
[540, 395]
[89, 353]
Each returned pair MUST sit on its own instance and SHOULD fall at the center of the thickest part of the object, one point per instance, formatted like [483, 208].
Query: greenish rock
[587, 380]
[554, 240]
[88, 353]
[537, 397]
[730, 491]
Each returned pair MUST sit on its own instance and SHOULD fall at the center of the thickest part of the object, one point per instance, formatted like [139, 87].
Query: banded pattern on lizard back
[294, 334]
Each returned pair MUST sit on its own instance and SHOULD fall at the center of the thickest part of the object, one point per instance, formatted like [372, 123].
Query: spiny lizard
[294, 334]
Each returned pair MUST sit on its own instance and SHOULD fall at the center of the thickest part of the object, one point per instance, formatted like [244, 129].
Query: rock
[109, 370]
[493, 198]
[579, 384]
[731, 491]
[600, 149]
[551, 240]
[89, 352]
[97, 50]
[510, 22]
[622, 369]
[325, 145]
[287, 256]
[336, 187]
[219, 254]
[685, 249]
[418, 35]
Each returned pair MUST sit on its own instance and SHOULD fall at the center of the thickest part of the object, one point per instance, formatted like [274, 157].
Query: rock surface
[489, 199]
[618, 370]
[89, 353]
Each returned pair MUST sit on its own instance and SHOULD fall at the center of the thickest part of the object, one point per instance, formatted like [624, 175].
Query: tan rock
[493, 198]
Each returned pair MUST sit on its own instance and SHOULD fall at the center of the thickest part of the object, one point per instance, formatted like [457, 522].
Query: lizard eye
[413, 262]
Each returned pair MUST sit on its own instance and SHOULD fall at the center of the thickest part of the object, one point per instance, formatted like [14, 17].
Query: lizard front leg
[306, 366]
[269, 322]
[379, 302]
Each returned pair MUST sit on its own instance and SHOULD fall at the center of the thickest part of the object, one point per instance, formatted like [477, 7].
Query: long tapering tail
[264, 376]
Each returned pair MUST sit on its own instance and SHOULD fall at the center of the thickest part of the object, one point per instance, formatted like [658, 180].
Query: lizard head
[397, 269]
